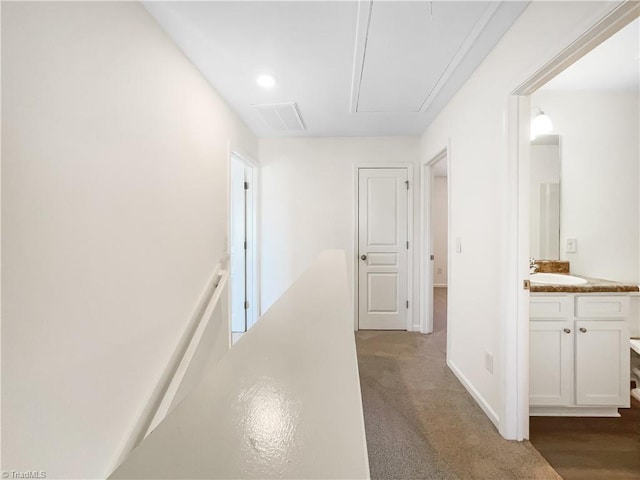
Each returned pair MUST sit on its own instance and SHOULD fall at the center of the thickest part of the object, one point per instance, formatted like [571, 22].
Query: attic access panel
[407, 50]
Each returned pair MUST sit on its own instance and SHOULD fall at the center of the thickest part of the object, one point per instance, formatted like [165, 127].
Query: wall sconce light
[540, 124]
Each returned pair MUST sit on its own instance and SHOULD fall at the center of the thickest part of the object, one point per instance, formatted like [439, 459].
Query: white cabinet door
[551, 363]
[602, 363]
[382, 248]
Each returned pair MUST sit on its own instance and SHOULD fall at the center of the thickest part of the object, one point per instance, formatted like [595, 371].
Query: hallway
[421, 423]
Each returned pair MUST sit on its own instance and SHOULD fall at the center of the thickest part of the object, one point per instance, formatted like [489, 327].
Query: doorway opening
[439, 233]
[242, 246]
[435, 220]
[526, 389]
[587, 113]
[514, 356]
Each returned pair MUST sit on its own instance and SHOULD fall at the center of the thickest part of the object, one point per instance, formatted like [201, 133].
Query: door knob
[363, 257]
[567, 330]
[583, 330]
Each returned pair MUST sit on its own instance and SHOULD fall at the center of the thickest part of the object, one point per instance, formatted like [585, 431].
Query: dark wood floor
[591, 448]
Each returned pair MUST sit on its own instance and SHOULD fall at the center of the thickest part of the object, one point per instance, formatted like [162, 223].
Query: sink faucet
[533, 266]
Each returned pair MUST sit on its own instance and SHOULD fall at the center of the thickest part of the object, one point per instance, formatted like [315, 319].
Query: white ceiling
[353, 68]
[612, 65]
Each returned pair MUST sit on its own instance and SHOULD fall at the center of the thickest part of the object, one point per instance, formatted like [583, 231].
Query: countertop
[593, 285]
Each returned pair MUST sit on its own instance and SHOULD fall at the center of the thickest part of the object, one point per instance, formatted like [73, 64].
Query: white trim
[575, 412]
[480, 400]
[354, 223]
[450, 250]
[410, 257]
[460, 55]
[410, 253]
[610, 18]
[362, 30]
[514, 340]
[514, 335]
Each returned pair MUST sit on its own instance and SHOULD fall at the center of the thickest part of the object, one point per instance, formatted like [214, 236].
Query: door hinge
[433, 257]
[407, 303]
[245, 244]
[526, 284]
[246, 305]
[246, 185]
[406, 182]
[407, 244]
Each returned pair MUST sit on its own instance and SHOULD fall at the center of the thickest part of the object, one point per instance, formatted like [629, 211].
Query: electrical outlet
[572, 245]
[488, 361]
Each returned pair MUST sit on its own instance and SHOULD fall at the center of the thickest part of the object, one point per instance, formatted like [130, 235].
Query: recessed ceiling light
[265, 80]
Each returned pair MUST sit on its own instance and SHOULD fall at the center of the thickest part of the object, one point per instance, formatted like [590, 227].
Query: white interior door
[237, 257]
[382, 248]
[242, 246]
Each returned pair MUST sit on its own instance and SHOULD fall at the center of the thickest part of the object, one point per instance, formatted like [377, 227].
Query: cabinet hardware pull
[583, 330]
[567, 330]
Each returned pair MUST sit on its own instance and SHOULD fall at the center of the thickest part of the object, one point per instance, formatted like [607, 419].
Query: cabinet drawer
[550, 308]
[601, 306]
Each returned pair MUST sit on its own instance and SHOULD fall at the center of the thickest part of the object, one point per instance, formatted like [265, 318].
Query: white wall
[473, 123]
[308, 201]
[440, 245]
[114, 201]
[600, 134]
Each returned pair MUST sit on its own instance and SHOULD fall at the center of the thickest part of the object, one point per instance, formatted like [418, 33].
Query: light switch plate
[572, 245]
[488, 361]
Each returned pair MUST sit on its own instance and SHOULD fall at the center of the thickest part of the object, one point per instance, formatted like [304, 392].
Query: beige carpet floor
[420, 421]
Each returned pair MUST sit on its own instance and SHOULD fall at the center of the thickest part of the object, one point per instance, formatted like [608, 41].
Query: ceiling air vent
[282, 117]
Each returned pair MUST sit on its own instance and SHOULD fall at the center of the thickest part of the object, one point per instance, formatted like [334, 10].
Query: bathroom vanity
[579, 349]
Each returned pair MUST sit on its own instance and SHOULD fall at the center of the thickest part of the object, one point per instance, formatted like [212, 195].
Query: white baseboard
[486, 408]
[574, 412]
[440, 285]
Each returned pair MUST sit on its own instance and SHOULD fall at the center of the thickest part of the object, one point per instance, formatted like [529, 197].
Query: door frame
[254, 288]
[426, 237]
[392, 165]
[514, 341]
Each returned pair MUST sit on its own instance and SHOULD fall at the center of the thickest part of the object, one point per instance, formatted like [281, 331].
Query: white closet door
[237, 254]
[382, 242]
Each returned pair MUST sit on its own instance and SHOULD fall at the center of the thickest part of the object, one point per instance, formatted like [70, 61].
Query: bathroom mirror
[545, 197]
